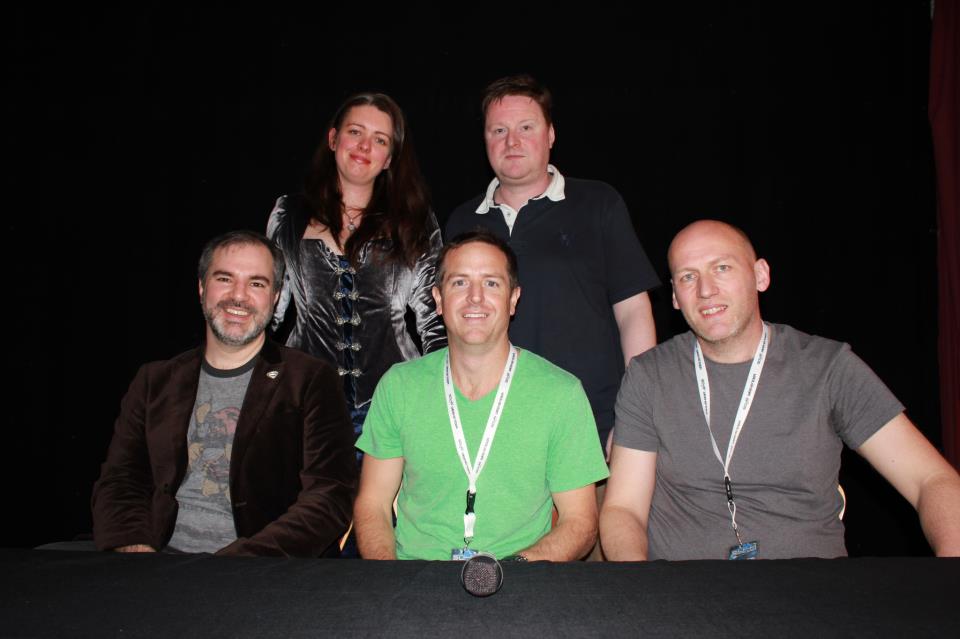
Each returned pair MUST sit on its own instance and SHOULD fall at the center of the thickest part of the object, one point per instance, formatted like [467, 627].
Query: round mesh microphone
[481, 575]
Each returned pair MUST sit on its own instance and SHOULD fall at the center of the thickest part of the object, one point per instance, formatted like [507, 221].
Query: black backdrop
[132, 136]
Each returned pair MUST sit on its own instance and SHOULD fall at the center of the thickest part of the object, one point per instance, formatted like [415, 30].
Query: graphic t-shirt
[205, 515]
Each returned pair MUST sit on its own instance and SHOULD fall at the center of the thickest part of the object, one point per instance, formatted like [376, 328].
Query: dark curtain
[944, 113]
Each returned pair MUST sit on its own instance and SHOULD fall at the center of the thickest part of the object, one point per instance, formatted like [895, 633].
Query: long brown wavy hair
[399, 205]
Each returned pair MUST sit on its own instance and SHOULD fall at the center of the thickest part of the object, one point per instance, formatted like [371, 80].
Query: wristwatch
[516, 557]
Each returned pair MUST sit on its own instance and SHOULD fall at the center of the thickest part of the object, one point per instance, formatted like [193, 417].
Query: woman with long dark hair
[360, 244]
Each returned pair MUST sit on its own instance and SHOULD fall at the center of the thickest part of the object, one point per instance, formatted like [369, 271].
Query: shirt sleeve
[381, 434]
[464, 218]
[634, 425]
[628, 269]
[122, 496]
[433, 334]
[576, 457]
[861, 404]
[278, 216]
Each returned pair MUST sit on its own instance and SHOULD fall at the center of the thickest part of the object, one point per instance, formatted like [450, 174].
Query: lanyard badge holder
[475, 467]
[469, 521]
[750, 549]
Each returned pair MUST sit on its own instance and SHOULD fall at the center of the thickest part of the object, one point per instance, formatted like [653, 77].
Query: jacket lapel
[264, 382]
[182, 390]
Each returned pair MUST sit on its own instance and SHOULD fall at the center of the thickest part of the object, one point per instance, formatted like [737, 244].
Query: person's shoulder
[657, 370]
[795, 343]
[279, 218]
[605, 202]
[580, 188]
[281, 207]
[186, 358]
[462, 218]
[668, 351]
[544, 371]
[469, 206]
[288, 213]
[414, 370]
[156, 371]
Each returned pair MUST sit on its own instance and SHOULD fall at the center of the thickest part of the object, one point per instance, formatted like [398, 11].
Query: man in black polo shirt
[585, 275]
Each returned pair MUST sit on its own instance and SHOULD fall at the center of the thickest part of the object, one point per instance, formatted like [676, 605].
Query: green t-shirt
[546, 443]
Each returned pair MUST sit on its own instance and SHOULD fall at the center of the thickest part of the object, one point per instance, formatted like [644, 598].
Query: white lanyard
[474, 469]
[746, 399]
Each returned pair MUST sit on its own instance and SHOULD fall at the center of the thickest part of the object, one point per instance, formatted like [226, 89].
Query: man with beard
[238, 447]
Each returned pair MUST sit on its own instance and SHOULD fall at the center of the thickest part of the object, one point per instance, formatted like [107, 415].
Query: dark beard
[259, 325]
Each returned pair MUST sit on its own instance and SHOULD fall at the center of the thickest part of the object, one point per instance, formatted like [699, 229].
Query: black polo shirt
[578, 257]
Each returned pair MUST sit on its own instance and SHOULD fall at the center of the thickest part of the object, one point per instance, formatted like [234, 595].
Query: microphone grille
[481, 575]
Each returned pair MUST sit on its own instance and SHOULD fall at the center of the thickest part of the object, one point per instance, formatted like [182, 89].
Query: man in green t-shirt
[481, 440]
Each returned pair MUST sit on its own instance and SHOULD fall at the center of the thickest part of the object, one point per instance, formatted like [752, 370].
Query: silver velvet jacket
[382, 292]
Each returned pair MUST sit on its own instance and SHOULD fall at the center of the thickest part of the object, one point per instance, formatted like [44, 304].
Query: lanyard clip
[471, 499]
[729, 488]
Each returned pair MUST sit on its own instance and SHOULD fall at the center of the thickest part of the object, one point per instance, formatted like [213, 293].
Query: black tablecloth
[53, 593]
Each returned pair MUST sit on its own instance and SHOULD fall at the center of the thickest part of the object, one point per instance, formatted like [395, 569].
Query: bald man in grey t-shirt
[727, 439]
[816, 396]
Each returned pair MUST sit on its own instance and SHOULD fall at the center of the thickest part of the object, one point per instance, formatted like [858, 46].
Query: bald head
[709, 231]
[716, 279]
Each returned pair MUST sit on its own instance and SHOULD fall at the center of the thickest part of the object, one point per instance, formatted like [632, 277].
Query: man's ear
[514, 297]
[761, 271]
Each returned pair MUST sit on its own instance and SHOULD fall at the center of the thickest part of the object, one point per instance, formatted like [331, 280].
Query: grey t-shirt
[205, 514]
[814, 395]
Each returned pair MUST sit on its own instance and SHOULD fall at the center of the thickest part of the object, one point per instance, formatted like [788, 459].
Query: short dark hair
[521, 84]
[484, 237]
[242, 238]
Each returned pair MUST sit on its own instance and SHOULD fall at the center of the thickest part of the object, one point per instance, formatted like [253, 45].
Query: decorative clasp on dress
[355, 320]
